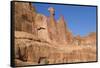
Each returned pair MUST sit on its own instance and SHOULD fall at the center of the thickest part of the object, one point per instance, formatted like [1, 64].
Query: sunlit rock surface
[43, 40]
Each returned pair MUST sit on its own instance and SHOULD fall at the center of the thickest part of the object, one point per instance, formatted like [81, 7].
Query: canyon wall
[43, 40]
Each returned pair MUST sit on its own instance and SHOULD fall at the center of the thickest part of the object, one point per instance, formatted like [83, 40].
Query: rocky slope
[41, 40]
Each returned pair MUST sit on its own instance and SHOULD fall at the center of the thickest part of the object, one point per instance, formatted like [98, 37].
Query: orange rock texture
[43, 40]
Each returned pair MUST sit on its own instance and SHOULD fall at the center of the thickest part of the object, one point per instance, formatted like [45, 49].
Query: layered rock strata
[43, 40]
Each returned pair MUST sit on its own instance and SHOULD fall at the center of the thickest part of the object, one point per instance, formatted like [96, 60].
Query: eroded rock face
[61, 31]
[41, 40]
[88, 40]
[52, 29]
[31, 51]
[24, 16]
[41, 27]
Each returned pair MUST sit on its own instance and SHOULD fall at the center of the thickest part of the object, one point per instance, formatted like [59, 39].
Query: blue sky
[81, 20]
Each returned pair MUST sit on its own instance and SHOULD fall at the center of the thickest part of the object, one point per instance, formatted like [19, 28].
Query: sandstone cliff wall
[42, 40]
[24, 16]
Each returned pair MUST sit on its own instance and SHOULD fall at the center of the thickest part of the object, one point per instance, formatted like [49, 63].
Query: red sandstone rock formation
[24, 16]
[37, 39]
[52, 25]
[61, 27]
[41, 27]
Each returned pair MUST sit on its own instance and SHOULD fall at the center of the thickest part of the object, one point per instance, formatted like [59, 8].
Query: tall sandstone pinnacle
[61, 30]
[58, 32]
[52, 25]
